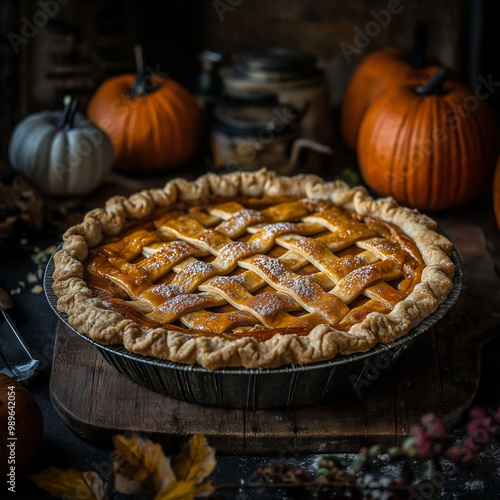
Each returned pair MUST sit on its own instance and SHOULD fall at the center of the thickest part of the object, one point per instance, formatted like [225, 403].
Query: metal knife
[16, 359]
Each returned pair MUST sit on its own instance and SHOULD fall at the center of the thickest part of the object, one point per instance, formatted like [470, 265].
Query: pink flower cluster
[430, 438]
[481, 429]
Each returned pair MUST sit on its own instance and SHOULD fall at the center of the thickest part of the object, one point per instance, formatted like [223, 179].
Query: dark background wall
[51, 47]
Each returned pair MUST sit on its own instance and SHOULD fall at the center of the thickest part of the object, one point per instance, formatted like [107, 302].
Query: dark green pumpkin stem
[68, 114]
[416, 57]
[434, 85]
[142, 84]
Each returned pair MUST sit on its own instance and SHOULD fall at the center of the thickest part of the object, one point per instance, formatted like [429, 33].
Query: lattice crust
[251, 269]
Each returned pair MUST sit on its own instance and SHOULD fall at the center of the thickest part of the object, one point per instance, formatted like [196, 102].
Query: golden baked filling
[282, 270]
[254, 267]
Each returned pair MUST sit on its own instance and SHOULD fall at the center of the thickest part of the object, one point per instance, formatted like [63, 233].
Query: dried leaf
[71, 484]
[195, 461]
[19, 201]
[182, 490]
[140, 466]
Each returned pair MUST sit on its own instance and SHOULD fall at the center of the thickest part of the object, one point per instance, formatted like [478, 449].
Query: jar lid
[250, 119]
[274, 63]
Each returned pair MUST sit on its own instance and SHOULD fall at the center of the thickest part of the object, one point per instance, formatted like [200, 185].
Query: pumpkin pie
[251, 269]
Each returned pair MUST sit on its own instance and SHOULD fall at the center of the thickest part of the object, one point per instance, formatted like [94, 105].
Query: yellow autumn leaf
[195, 461]
[140, 466]
[182, 490]
[71, 484]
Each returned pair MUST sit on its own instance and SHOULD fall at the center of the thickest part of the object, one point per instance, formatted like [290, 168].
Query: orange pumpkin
[496, 192]
[432, 147]
[20, 418]
[379, 71]
[154, 122]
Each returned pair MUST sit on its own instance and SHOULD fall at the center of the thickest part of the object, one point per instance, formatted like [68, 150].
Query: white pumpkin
[61, 152]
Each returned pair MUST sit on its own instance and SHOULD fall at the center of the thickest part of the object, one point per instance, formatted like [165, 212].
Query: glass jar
[293, 77]
[249, 135]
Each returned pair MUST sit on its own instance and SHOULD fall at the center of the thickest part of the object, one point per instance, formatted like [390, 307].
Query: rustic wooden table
[451, 368]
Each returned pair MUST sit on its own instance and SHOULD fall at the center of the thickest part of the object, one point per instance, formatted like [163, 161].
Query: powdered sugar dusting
[176, 248]
[273, 230]
[273, 268]
[235, 250]
[191, 275]
[223, 281]
[153, 264]
[183, 303]
[363, 274]
[312, 248]
[248, 215]
[166, 291]
[240, 221]
[198, 267]
[304, 287]
[266, 304]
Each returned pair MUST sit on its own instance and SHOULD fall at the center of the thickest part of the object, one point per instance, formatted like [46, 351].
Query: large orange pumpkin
[21, 427]
[379, 71]
[496, 193]
[432, 147]
[153, 122]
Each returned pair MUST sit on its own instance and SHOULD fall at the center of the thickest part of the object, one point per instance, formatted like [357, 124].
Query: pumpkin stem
[66, 119]
[434, 84]
[417, 55]
[142, 84]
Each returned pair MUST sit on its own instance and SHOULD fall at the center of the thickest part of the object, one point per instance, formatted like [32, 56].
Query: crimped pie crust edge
[88, 316]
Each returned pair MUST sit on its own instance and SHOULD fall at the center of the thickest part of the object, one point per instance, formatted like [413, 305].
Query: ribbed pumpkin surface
[430, 152]
[377, 72]
[159, 130]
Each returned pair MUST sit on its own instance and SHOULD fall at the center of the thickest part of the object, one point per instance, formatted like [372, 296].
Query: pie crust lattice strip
[252, 270]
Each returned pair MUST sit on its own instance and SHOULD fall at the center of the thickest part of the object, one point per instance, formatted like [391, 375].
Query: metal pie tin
[286, 387]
